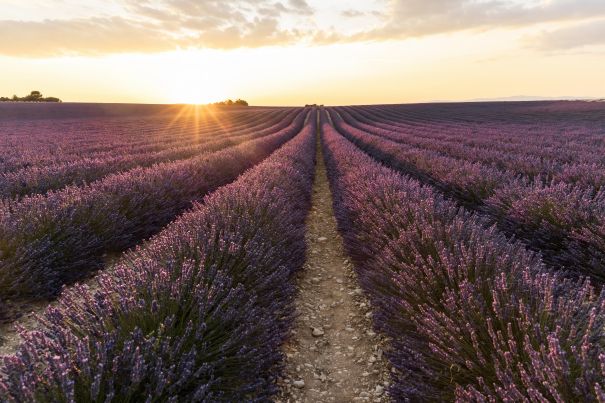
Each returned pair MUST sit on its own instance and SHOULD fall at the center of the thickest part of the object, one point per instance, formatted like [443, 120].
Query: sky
[293, 52]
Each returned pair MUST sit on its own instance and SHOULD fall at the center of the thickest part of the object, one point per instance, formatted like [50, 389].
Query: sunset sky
[292, 52]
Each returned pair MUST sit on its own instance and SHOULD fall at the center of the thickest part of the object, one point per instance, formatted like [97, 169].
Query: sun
[190, 79]
[198, 99]
[195, 91]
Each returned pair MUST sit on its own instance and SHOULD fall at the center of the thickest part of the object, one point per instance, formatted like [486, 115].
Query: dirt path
[333, 354]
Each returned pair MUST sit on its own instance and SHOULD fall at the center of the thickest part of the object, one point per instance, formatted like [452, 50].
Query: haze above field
[293, 52]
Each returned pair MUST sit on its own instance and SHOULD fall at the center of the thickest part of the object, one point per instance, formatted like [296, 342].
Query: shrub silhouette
[34, 96]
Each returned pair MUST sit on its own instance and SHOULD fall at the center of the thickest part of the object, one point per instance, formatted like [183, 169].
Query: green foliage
[34, 96]
[237, 102]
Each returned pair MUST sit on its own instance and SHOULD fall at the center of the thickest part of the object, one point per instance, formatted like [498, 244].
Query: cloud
[161, 25]
[350, 13]
[157, 25]
[302, 6]
[413, 18]
[589, 33]
[81, 36]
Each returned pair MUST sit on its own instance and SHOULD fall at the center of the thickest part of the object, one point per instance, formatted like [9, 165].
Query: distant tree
[238, 102]
[34, 96]
[51, 99]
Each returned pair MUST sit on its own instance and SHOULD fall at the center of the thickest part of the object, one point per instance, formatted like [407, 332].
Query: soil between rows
[333, 354]
[27, 312]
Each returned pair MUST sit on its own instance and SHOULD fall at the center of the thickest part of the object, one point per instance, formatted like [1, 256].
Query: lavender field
[165, 252]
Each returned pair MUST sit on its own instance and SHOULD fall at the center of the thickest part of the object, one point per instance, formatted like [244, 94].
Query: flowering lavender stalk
[196, 314]
[471, 316]
[47, 241]
[562, 221]
[33, 143]
[532, 152]
[40, 179]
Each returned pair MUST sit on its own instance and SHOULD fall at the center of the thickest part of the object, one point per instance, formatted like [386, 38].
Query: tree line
[237, 102]
[34, 96]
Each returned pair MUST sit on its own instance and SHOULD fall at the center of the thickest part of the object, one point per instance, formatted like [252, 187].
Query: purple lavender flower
[196, 314]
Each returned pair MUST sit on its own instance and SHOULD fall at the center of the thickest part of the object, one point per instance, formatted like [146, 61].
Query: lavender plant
[47, 241]
[534, 153]
[559, 220]
[471, 315]
[196, 314]
[40, 179]
[29, 143]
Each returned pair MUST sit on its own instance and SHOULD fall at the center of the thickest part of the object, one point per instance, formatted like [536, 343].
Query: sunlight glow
[191, 78]
[454, 66]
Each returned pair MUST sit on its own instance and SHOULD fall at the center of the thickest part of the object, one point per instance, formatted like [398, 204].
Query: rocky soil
[333, 354]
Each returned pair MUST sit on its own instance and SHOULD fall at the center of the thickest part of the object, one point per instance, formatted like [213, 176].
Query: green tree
[33, 96]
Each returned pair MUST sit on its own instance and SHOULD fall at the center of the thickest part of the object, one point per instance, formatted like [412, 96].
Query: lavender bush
[40, 179]
[196, 314]
[47, 241]
[471, 316]
[561, 220]
[27, 143]
[532, 152]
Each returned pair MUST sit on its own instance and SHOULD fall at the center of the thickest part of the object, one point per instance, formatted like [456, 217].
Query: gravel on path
[333, 355]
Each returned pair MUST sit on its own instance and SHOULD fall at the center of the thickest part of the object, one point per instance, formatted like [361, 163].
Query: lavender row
[564, 143]
[577, 129]
[471, 316]
[40, 179]
[47, 241]
[535, 167]
[514, 160]
[564, 222]
[550, 160]
[72, 135]
[586, 117]
[196, 314]
[70, 138]
[121, 137]
[576, 133]
[155, 136]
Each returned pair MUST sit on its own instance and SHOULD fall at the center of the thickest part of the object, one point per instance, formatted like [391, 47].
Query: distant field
[29, 111]
[475, 230]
